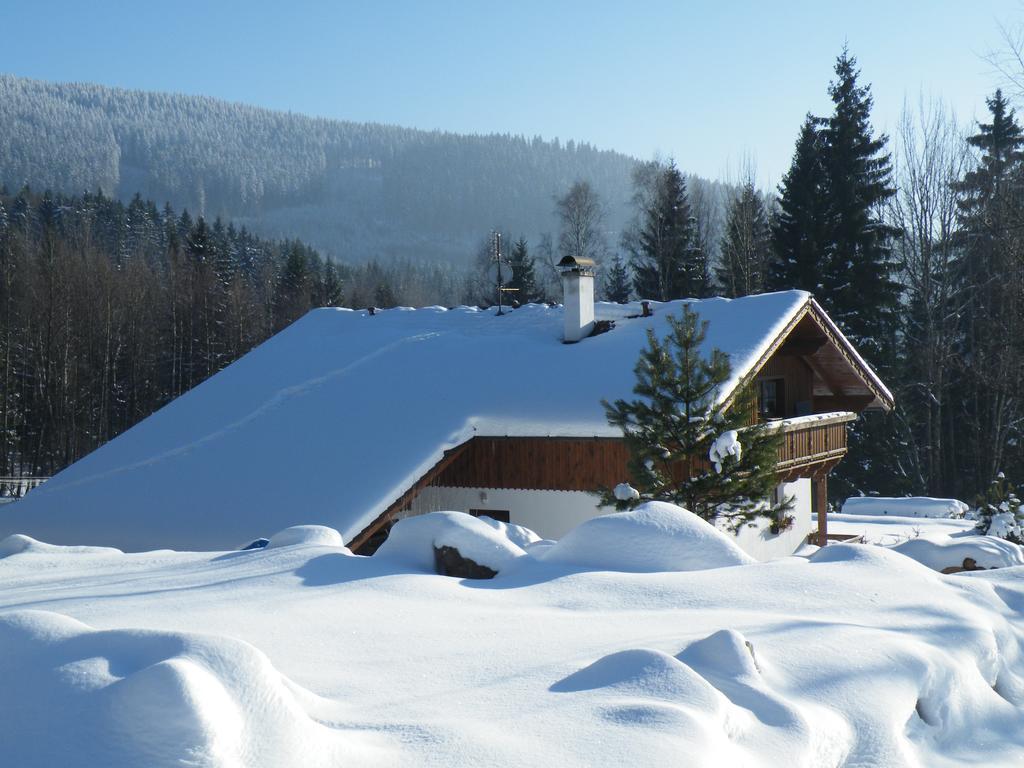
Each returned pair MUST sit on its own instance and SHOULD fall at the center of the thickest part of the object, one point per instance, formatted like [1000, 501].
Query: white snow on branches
[726, 444]
[626, 492]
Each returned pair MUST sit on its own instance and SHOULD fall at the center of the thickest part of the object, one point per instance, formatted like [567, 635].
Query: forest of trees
[916, 251]
[109, 311]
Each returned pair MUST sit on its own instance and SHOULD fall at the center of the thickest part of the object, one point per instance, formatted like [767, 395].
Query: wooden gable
[820, 369]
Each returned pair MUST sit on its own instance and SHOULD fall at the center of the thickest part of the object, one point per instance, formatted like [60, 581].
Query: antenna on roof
[499, 266]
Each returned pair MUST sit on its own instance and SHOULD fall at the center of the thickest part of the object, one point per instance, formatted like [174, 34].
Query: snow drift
[910, 506]
[858, 655]
[85, 697]
[412, 541]
[940, 552]
[655, 536]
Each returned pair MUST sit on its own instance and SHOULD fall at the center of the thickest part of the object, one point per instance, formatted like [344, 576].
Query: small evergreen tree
[999, 512]
[329, 293]
[672, 429]
[617, 281]
[524, 275]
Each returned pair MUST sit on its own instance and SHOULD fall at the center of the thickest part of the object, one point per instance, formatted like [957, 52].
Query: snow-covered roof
[334, 418]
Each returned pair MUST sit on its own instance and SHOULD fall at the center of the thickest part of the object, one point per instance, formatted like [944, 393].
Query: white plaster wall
[757, 540]
[552, 514]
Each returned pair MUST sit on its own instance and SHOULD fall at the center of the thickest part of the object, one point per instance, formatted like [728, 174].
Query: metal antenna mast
[498, 259]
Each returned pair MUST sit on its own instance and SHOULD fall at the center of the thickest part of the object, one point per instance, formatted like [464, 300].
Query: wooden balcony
[812, 445]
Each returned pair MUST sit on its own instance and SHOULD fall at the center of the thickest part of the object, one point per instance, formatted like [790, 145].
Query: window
[771, 401]
[501, 515]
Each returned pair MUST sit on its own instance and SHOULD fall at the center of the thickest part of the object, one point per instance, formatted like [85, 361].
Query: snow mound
[139, 697]
[412, 541]
[714, 692]
[519, 535]
[655, 536]
[727, 652]
[877, 557]
[18, 543]
[306, 535]
[910, 506]
[945, 552]
[645, 672]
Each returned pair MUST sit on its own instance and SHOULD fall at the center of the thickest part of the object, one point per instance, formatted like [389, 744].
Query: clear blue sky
[705, 82]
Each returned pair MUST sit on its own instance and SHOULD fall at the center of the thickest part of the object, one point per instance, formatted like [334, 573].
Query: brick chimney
[578, 291]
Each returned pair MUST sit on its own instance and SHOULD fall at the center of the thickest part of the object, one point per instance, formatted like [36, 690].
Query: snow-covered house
[354, 419]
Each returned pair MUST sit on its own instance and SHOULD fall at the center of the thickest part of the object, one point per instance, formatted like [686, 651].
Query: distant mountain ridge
[355, 190]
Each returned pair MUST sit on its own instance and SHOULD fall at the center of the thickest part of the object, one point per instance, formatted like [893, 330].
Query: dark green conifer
[671, 427]
[617, 282]
[667, 262]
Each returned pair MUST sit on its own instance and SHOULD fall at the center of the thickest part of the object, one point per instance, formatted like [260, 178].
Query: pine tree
[292, 296]
[999, 512]
[524, 276]
[799, 241]
[384, 296]
[992, 224]
[617, 282]
[860, 291]
[673, 426]
[329, 293]
[830, 239]
[667, 263]
[746, 245]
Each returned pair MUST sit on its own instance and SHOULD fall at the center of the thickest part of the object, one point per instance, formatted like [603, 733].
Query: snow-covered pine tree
[999, 512]
[687, 448]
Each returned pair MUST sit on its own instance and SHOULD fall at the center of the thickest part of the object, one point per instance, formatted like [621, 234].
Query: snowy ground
[302, 655]
[891, 529]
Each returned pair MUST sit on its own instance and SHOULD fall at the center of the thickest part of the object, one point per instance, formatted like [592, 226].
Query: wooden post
[820, 483]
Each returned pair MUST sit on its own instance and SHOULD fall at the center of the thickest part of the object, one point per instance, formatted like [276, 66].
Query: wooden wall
[588, 464]
[552, 463]
[798, 377]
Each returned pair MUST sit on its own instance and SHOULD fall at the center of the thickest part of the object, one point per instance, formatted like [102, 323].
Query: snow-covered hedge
[910, 506]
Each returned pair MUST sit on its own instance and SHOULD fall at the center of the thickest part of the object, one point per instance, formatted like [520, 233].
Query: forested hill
[354, 190]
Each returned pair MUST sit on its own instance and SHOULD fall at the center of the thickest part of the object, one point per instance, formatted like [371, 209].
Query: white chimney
[578, 290]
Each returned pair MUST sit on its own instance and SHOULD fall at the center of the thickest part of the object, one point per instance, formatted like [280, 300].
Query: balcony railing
[819, 439]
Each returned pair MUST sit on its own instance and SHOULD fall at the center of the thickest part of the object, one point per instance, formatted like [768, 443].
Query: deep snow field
[645, 638]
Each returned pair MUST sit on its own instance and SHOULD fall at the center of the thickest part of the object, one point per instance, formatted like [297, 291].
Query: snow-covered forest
[356, 191]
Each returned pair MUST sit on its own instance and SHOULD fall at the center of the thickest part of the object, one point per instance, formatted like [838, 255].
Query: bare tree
[581, 216]
[1008, 60]
[931, 157]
